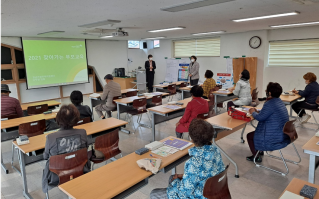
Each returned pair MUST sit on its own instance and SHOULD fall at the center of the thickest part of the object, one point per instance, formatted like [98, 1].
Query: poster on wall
[225, 79]
[172, 69]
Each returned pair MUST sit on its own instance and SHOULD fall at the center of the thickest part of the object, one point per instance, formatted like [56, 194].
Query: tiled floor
[253, 182]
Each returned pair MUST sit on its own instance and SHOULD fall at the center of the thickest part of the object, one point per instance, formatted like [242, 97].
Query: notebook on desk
[289, 195]
[177, 144]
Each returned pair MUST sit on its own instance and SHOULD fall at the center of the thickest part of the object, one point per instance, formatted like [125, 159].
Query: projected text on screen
[54, 63]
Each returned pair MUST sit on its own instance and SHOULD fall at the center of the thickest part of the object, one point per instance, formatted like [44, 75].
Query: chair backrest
[172, 88]
[69, 164]
[157, 100]
[140, 104]
[211, 98]
[115, 98]
[9, 117]
[83, 121]
[32, 128]
[183, 85]
[290, 130]
[216, 187]
[131, 93]
[33, 110]
[219, 86]
[108, 144]
[254, 94]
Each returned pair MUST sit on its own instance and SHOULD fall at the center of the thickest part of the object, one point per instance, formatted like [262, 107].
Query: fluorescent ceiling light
[267, 17]
[208, 33]
[167, 29]
[106, 36]
[155, 38]
[296, 24]
[100, 23]
[192, 5]
[54, 32]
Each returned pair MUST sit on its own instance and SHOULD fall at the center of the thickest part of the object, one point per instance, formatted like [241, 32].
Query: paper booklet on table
[172, 107]
[177, 144]
[289, 195]
[95, 95]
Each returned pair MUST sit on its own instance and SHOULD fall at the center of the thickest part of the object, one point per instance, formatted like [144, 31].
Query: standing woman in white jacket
[242, 90]
[193, 70]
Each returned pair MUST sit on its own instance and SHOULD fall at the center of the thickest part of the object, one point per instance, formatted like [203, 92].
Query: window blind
[294, 53]
[201, 47]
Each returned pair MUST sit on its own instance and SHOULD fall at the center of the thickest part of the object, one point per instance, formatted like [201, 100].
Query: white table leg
[312, 169]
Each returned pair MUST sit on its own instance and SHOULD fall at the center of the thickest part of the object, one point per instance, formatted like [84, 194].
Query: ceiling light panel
[166, 29]
[267, 17]
[208, 33]
[193, 5]
[100, 23]
[154, 38]
[296, 24]
[109, 36]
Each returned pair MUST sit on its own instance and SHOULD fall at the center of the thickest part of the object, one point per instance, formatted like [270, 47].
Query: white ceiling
[28, 18]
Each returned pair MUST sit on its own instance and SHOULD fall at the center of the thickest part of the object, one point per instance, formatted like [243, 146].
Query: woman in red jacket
[196, 106]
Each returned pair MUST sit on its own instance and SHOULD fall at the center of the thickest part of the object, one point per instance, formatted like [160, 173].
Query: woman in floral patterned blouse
[205, 162]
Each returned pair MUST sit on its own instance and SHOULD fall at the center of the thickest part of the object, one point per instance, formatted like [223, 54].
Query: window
[201, 47]
[134, 44]
[299, 53]
[156, 43]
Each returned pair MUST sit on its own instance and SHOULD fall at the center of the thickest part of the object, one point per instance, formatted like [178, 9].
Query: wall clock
[255, 42]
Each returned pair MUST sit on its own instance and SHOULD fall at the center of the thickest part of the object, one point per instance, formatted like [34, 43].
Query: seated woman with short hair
[76, 98]
[196, 106]
[269, 135]
[205, 162]
[310, 94]
[66, 118]
[242, 90]
[208, 84]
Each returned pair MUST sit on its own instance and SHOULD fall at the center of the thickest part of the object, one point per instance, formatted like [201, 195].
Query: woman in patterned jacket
[205, 162]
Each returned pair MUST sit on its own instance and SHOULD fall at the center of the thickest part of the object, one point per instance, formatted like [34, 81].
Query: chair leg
[282, 158]
[47, 195]
[315, 119]
[287, 160]
[92, 166]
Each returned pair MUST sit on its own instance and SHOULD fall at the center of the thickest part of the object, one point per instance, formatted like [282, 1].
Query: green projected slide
[54, 63]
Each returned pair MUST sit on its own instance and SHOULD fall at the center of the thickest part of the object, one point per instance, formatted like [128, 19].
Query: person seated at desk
[110, 90]
[310, 94]
[208, 84]
[196, 106]
[9, 105]
[242, 90]
[269, 135]
[205, 162]
[66, 118]
[76, 98]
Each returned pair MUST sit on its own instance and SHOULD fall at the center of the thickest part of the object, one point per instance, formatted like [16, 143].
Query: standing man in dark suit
[150, 67]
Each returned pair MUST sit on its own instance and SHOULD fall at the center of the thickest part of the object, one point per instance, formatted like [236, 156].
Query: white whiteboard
[172, 66]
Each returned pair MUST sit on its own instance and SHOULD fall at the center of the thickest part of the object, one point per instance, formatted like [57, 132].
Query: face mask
[192, 60]
[151, 58]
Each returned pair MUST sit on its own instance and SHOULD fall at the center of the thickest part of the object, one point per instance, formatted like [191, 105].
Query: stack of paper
[164, 151]
[289, 195]
[95, 95]
[174, 107]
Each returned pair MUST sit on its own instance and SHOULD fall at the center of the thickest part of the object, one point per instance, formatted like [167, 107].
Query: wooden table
[161, 114]
[51, 103]
[125, 82]
[312, 149]
[222, 96]
[225, 125]
[93, 129]
[296, 185]
[17, 121]
[119, 178]
[163, 87]
[290, 100]
[185, 92]
[94, 101]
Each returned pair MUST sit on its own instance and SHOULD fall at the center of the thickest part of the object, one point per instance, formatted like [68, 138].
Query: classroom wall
[105, 55]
